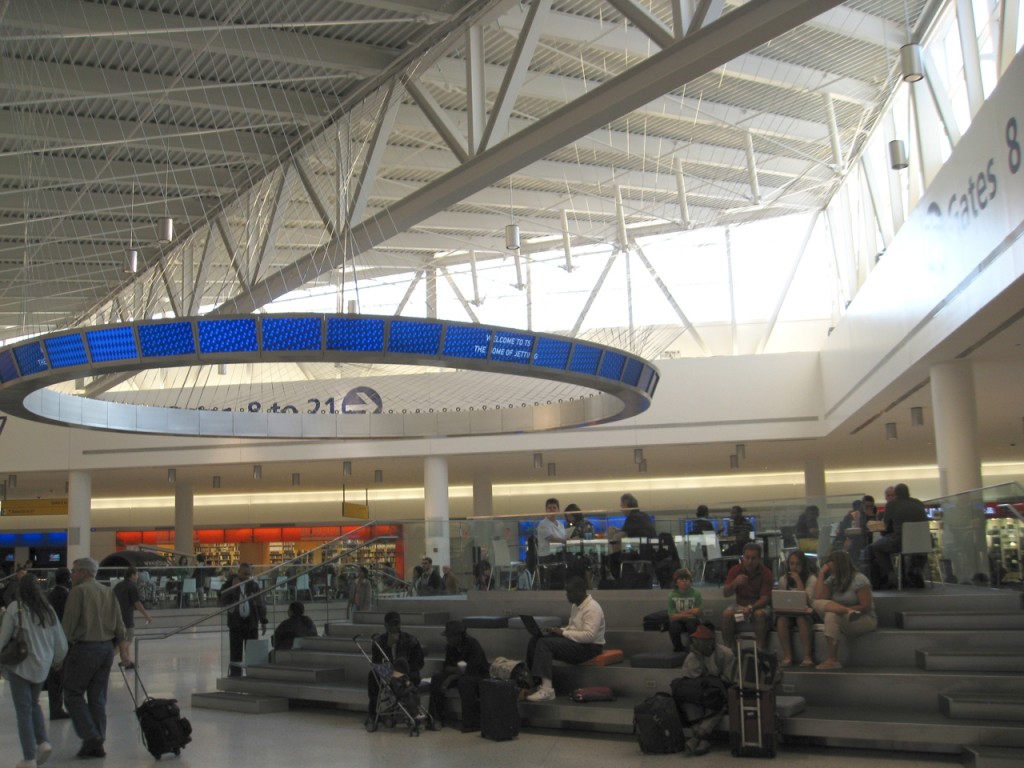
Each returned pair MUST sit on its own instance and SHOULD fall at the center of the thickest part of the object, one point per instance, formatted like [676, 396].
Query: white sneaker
[542, 694]
[25, 764]
[43, 752]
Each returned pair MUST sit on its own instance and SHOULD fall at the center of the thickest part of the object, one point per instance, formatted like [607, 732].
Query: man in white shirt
[580, 640]
[550, 530]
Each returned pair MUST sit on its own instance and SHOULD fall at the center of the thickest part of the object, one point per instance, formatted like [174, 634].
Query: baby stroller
[398, 700]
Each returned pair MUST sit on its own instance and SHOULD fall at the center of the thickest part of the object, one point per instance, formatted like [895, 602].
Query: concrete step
[348, 696]
[967, 661]
[898, 647]
[982, 706]
[297, 672]
[410, 618]
[993, 757]
[898, 729]
[962, 621]
[899, 687]
[240, 702]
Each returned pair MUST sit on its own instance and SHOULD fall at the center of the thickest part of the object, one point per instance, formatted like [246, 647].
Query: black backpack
[657, 725]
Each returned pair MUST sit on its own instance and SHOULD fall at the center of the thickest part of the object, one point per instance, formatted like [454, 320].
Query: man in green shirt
[94, 628]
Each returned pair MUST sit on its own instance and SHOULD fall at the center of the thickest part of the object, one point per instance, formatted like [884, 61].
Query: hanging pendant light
[911, 63]
[898, 159]
[131, 261]
[512, 237]
[165, 229]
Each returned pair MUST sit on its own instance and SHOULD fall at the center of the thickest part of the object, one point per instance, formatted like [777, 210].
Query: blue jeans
[86, 672]
[31, 725]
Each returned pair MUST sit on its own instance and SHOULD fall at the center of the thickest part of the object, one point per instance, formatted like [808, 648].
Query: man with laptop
[580, 640]
[751, 582]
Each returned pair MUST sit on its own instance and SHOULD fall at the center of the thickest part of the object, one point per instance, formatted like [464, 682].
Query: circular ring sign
[623, 384]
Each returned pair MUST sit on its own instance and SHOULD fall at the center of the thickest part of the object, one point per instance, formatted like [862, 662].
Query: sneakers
[25, 764]
[92, 748]
[542, 694]
[43, 752]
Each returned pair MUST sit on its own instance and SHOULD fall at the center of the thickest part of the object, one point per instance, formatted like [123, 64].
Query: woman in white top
[798, 577]
[47, 647]
[843, 597]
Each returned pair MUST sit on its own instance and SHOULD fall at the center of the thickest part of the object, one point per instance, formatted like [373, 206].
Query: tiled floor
[319, 737]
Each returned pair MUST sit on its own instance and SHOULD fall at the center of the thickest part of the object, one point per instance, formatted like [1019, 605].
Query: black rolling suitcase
[752, 721]
[163, 728]
[499, 710]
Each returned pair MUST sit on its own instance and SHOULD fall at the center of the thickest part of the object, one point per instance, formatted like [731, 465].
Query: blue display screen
[461, 341]
[110, 344]
[415, 338]
[8, 370]
[611, 365]
[646, 378]
[355, 334]
[552, 353]
[634, 368]
[512, 347]
[235, 335]
[291, 334]
[585, 359]
[30, 358]
[167, 339]
[65, 351]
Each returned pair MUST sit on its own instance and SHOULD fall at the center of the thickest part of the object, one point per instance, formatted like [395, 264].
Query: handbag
[593, 693]
[656, 622]
[15, 650]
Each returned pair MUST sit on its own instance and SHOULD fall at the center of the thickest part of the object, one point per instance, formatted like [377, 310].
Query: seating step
[993, 757]
[982, 706]
[251, 704]
[350, 695]
[963, 661]
[376, 618]
[970, 621]
[297, 672]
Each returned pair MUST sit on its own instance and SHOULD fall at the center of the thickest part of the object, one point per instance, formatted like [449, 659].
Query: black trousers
[469, 695]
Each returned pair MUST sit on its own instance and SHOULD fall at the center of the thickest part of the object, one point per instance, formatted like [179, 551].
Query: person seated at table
[843, 597]
[807, 528]
[684, 608]
[703, 522]
[577, 526]
[850, 536]
[740, 531]
[798, 577]
[750, 582]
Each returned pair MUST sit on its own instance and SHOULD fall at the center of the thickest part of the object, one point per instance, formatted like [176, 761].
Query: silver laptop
[789, 601]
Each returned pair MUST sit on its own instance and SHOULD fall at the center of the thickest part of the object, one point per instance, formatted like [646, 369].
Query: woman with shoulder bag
[47, 646]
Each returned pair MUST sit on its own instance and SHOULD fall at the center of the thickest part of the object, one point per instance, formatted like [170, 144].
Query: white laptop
[789, 601]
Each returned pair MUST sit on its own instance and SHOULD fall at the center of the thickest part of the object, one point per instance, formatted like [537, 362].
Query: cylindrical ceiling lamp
[296, 480]
[216, 481]
[638, 455]
[741, 451]
[131, 261]
[172, 475]
[898, 159]
[512, 237]
[911, 63]
[643, 465]
[346, 468]
[551, 469]
[378, 476]
[165, 229]
[917, 416]
[734, 461]
[890, 431]
[257, 471]
[538, 461]
[12, 481]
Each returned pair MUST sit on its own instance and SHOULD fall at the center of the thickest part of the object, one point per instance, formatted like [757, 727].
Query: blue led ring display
[623, 383]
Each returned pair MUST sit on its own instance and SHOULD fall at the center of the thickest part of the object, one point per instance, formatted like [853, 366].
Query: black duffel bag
[707, 692]
[656, 622]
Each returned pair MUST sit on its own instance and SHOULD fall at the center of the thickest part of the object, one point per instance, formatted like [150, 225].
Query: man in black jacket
[465, 665]
[247, 615]
[395, 647]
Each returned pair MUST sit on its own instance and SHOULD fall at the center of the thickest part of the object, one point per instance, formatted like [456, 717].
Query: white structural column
[184, 518]
[435, 498]
[814, 489]
[956, 449]
[483, 495]
[79, 515]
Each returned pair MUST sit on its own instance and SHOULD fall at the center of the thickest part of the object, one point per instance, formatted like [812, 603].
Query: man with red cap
[706, 659]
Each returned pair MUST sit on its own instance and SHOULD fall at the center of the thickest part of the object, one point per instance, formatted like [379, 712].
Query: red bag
[593, 693]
